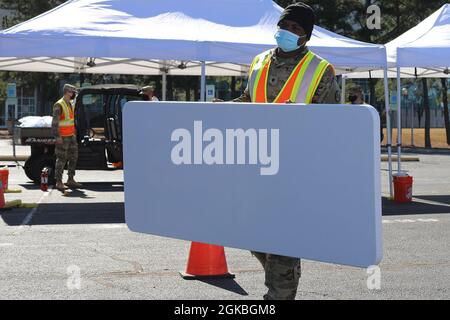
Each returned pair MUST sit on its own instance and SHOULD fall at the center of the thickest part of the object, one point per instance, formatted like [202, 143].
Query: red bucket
[2, 197]
[4, 174]
[403, 188]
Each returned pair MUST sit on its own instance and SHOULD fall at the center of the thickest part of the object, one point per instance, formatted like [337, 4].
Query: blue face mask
[287, 41]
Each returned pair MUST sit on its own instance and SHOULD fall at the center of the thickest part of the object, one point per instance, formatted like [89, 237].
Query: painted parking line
[6, 245]
[109, 226]
[29, 216]
[25, 222]
[390, 221]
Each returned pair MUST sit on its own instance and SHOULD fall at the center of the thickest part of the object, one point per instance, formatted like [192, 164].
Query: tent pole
[343, 90]
[399, 123]
[164, 85]
[388, 129]
[412, 113]
[203, 82]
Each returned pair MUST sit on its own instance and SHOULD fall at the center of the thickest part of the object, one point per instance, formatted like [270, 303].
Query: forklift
[98, 121]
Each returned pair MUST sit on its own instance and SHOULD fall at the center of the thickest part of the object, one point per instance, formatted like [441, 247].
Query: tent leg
[388, 129]
[412, 123]
[343, 90]
[164, 85]
[399, 123]
[203, 83]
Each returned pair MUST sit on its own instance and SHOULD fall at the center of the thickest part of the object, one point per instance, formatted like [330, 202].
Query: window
[94, 111]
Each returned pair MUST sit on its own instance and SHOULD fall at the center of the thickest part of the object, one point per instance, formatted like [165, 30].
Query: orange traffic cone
[206, 261]
[117, 165]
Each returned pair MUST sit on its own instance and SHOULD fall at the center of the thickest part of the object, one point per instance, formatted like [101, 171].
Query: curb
[403, 159]
[12, 158]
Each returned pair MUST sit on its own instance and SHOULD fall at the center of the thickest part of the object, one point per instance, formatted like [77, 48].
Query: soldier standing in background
[356, 96]
[149, 93]
[63, 128]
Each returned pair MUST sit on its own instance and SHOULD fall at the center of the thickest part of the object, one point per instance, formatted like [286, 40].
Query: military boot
[71, 183]
[60, 186]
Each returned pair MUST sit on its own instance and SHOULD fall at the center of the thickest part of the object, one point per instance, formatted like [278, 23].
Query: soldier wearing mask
[290, 73]
[356, 96]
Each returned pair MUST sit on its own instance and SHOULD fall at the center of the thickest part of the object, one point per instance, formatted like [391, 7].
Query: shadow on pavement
[114, 212]
[90, 186]
[436, 198]
[30, 186]
[103, 186]
[68, 213]
[226, 284]
[420, 205]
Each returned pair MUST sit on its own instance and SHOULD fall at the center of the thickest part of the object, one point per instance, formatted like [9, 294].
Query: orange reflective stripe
[261, 84]
[67, 131]
[300, 85]
[66, 120]
[286, 91]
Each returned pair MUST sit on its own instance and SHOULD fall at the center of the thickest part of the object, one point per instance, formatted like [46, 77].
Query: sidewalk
[6, 150]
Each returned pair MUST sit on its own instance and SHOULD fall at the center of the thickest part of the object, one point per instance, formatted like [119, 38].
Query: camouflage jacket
[328, 90]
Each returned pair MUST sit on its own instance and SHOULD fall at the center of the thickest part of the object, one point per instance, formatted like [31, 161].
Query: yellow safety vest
[66, 120]
[301, 85]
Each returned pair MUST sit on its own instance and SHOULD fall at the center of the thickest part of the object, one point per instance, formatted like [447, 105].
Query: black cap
[302, 14]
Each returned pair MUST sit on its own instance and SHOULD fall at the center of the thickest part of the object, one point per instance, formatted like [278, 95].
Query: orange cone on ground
[206, 261]
[117, 165]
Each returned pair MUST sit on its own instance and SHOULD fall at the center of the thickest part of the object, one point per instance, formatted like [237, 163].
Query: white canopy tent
[174, 37]
[145, 34]
[407, 73]
[421, 52]
[427, 45]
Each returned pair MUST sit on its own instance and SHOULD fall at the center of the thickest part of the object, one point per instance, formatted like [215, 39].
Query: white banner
[292, 180]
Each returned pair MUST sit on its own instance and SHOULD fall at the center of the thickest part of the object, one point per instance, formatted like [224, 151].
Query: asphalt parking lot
[44, 249]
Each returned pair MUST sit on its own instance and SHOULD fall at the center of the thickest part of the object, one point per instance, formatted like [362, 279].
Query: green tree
[44, 82]
[26, 9]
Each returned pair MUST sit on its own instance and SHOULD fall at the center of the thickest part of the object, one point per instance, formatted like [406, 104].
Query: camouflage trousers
[282, 275]
[67, 152]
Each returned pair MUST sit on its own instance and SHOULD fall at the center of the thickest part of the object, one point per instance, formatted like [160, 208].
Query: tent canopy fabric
[146, 36]
[423, 51]
[425, 45]
[407, 72]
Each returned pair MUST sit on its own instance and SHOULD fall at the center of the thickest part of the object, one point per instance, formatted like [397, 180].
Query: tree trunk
[188, 93]
[40, 107]
[233, 87]
[426, 108]
[81, 79]
[445, 102]
[197, 89]
[372, 101]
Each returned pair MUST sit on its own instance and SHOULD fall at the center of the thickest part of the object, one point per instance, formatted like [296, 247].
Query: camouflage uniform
[282, 274]
[280, 69]
[67, 152]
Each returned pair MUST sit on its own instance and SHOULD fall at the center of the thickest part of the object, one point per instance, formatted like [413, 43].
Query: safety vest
[66, 120]
[301, 85]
